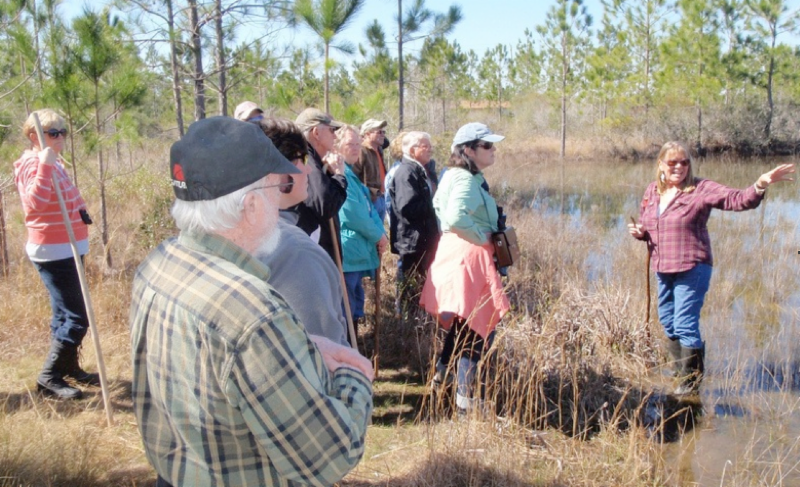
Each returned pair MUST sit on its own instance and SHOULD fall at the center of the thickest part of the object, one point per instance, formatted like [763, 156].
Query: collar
[209, 243]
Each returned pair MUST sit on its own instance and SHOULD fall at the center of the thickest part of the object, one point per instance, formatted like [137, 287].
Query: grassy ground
[575, 372]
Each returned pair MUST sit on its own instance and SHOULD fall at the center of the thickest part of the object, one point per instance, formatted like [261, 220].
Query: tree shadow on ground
[396, 397]
[47, 405]
[454, 471]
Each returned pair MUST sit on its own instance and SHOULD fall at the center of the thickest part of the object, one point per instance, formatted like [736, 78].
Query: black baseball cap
[220, 155]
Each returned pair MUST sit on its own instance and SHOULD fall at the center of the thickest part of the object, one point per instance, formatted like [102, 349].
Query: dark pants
[412, 269]
[70, 320]
[469, 346]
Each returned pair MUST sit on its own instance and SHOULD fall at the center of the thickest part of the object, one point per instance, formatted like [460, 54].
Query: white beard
[270, 243]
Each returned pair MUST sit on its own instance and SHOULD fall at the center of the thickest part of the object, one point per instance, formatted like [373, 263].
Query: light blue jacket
[464, 207]
[362, 228]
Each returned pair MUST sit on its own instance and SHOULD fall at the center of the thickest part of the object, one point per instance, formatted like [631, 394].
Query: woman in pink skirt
[463, 287]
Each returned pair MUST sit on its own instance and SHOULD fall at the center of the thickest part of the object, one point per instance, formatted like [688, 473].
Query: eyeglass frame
[279, 185]
[674, 162]
[55, 133]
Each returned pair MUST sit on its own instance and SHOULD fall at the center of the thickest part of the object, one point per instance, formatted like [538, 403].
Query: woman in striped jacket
[49, 250]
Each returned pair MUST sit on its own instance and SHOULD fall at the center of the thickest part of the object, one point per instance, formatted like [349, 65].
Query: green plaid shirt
[227, 387]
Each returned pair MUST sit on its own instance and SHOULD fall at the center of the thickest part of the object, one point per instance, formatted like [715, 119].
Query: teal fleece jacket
[463, 207]
[362, 228]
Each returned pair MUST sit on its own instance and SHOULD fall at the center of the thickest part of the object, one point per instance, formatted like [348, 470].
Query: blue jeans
[355, 292]
[680, 299]
[70, 321]
[380, 207]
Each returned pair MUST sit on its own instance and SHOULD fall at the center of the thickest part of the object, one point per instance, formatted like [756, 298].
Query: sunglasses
[54, 134]
[280, 185]
[675, 162]
[303, 158]
[486, 145]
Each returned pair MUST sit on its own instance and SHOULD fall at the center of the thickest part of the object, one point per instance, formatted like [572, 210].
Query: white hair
[411, 140]
[212, 216]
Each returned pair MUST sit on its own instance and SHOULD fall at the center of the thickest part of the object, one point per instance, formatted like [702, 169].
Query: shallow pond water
[749, 430]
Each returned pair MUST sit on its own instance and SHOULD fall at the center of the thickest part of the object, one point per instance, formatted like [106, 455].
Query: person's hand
[48, 156]
[780, 173]
[334, 163]
[336, 356]
[382, 243]
[636, 230]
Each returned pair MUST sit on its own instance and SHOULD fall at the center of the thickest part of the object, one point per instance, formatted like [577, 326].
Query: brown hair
[689, 182]
[285, 136]
[459, 157]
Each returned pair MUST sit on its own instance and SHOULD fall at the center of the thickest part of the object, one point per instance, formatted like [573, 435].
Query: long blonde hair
[689, 182]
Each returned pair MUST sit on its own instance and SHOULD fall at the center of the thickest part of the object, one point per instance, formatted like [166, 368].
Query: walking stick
[348, 315]
[647, 290]
[376, 348]
[82, 278]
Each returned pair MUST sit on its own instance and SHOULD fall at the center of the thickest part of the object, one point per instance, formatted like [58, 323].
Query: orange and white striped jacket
[39, 201]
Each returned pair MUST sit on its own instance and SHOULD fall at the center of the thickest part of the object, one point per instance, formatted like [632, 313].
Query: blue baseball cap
[474, 131]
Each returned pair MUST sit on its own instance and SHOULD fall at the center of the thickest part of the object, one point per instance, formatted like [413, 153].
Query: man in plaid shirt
[228, 387]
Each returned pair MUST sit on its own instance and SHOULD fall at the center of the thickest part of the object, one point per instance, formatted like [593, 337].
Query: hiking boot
[73, 369]
[51, 379]
[441, 377]
[692, 368]
[673, 346]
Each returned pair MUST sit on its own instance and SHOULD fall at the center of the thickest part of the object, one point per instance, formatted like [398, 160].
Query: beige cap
[245, 109]
[371, 125]
[311, 117]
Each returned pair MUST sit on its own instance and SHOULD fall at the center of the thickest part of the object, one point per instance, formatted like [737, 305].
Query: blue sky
[485, 23]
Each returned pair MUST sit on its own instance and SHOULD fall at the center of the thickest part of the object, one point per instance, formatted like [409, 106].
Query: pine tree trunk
[173, 59]
[222, 94]
[197, 52]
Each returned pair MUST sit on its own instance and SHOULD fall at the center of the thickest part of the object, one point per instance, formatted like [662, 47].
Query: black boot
[692, 367]
[73, 369]
[51, 379]
[673, 346]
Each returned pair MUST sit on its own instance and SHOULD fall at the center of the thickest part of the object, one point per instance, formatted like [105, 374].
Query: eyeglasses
[486, 145]
[280, 185]
[54, 134]
[675, 162]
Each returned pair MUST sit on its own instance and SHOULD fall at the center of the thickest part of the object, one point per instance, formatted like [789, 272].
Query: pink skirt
[463, 281]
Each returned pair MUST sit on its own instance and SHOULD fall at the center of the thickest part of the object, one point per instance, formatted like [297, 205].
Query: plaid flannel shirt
[227, 387]
[678, 238]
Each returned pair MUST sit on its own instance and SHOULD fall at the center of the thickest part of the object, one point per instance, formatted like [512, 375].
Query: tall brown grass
[574, 379]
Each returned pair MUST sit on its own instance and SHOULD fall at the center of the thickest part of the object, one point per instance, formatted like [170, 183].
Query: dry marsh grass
[574, 377]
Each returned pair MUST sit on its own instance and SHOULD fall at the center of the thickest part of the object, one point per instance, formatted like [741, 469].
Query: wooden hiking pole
[376, 331]
[101, 368]
[348, 315]
[647, 288]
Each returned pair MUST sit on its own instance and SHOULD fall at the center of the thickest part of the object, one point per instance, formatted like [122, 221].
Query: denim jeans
[355, 293]
[380, 207]
[680, 299]
[70, 320]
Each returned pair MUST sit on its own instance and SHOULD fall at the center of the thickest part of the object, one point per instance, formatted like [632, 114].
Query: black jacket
[326, 195]
[412, 221]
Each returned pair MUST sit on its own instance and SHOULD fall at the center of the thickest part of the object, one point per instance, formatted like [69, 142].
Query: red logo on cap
[177, 172]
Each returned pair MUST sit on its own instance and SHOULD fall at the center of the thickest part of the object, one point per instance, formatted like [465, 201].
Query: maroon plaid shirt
[678, 239]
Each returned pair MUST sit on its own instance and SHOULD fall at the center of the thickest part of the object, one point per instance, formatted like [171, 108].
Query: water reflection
[751, 407]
